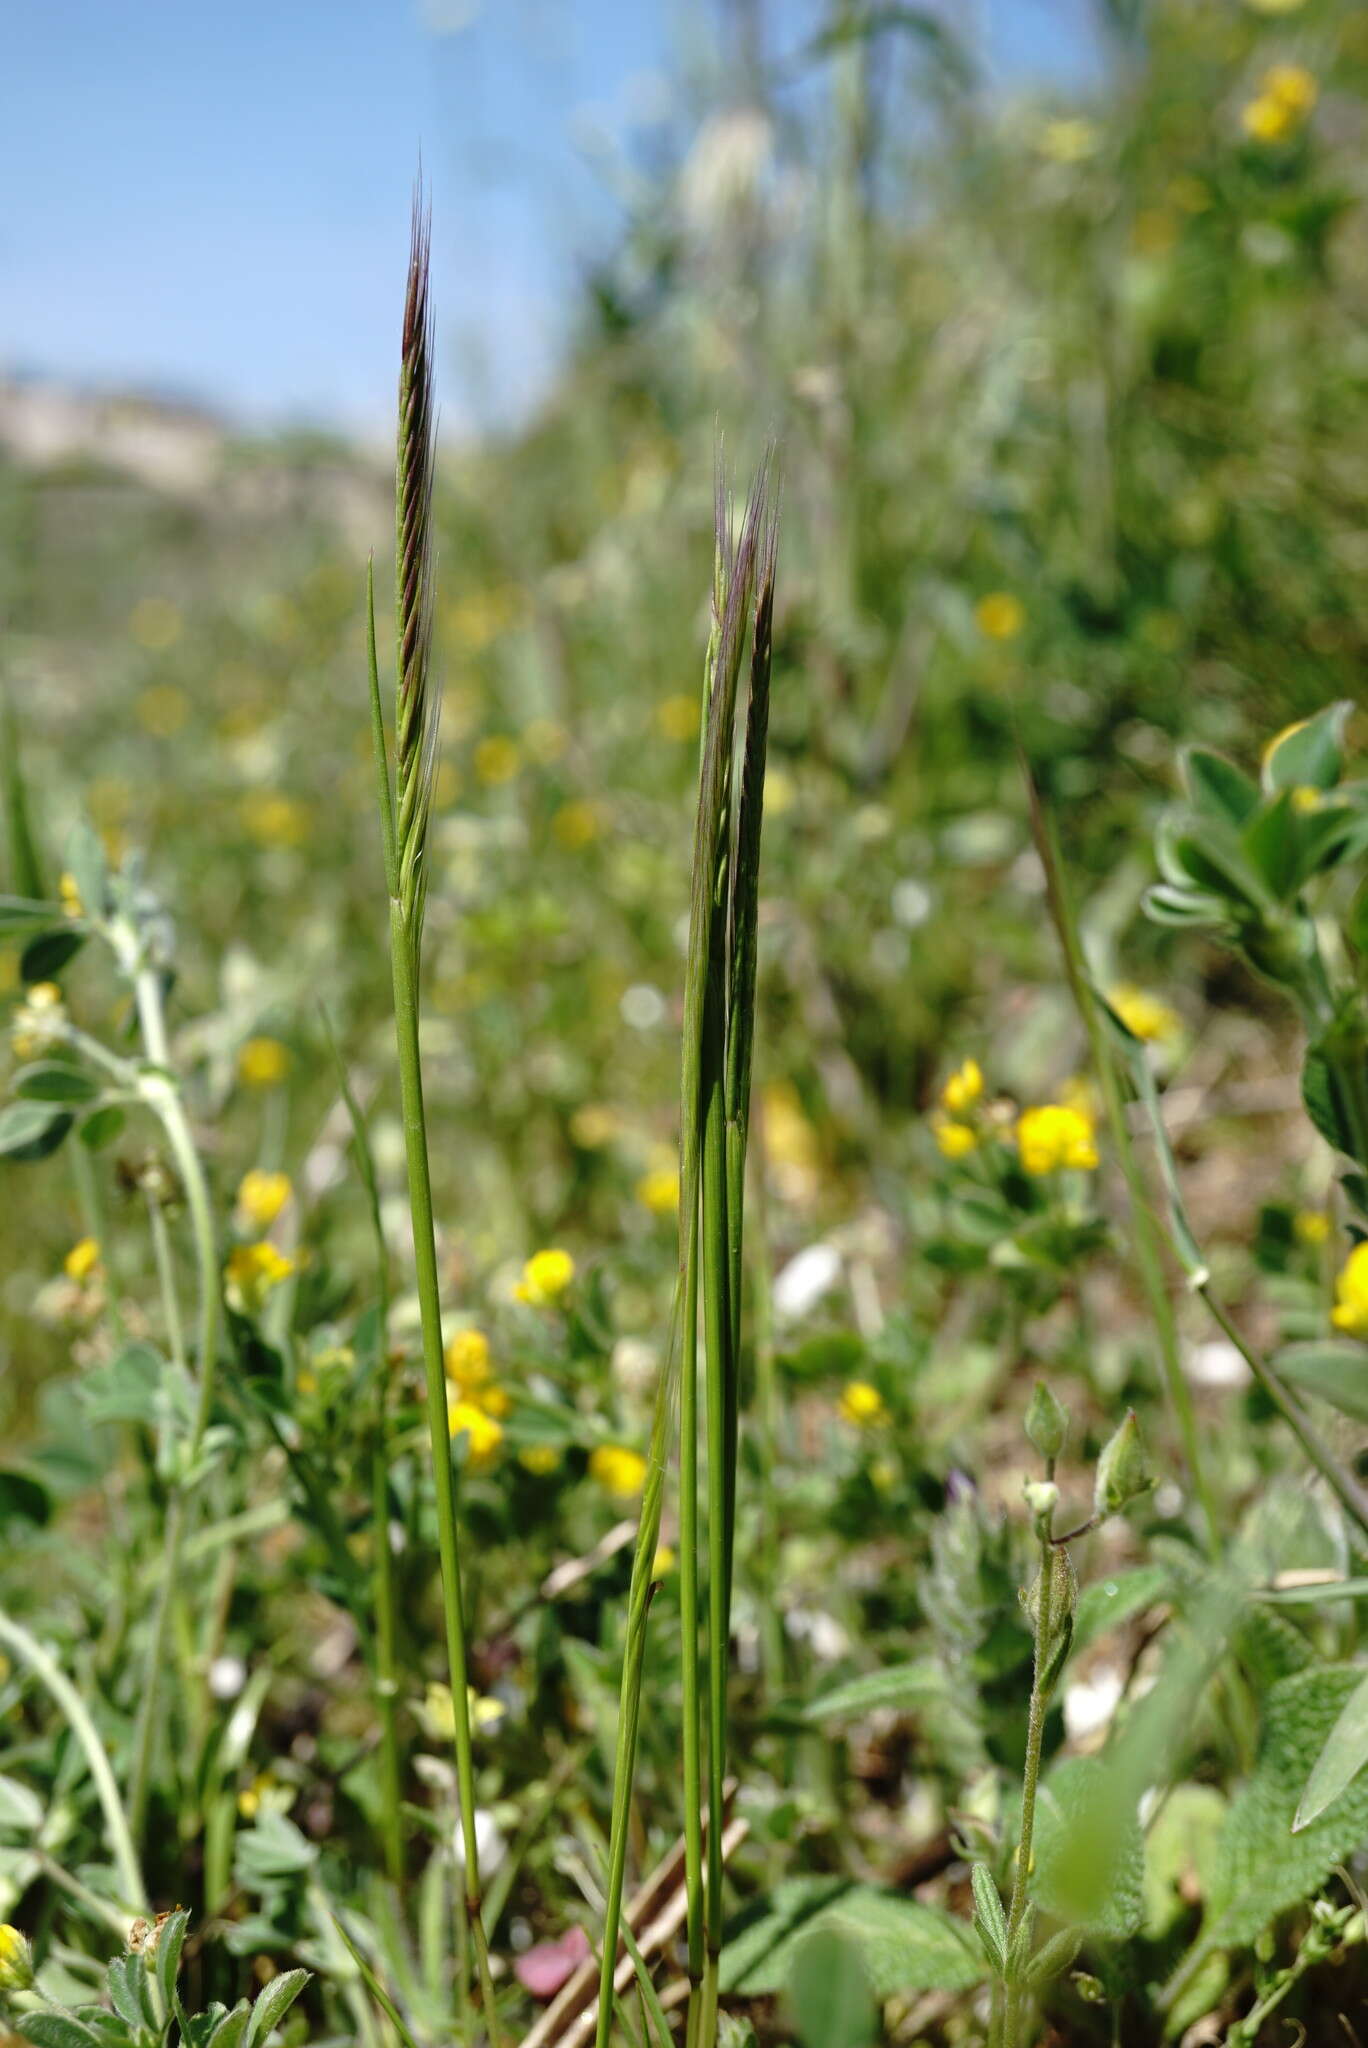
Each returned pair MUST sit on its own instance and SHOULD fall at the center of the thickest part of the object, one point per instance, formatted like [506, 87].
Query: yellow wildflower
[261, 1196]
[254, 1271]
[16, 1960]
[619, 1471]
[83, 1260]
[251, 1796]
[467, 1360]
[594, 1124]
[273, 819]
[496, 759]
[439, 1718]
[263, 1062]
[541, 1460]
[658, 1190]
[575, 825]
[956, 1141]
[862, 1404]
[999, 615]
[1055, 1135]
[1069, 141]
[678, 717]
[1273, 7]
[1350, 1312]
[1292, 86]
[70, 896]
[482, 1433]
[963, 1088]
[1311, 1226]
[1147, 1016]
[545, 1277]
[39, 1021]
[1306, 798]
[1265, 119]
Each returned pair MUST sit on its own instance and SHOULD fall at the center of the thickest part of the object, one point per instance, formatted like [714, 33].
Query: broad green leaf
[128, 1389]
[829, 1992]
[1217, 788]
[1091, 1878]
[128, 1985]
[905, 1946]
[21, 1810]
[1181, 1848]
[271, 1850]
[1263, 1867]
[55, 1081]
[101, 1127]
[231, 2028]
[44, 957]
[1321, 1099]
[56, 2030]
[1308, 755]
[1106, 1603]
[1335, 1369]
[898, 1685]
[1339, 1763]
[170, 1942]
[30, 1130]
[272, 2004]
[1271, 843]
[20, 918]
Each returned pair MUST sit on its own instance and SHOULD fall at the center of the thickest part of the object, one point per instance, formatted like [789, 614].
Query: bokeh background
[1058, 312]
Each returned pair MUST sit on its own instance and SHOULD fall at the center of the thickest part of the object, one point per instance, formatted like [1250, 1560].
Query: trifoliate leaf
[904, 1945]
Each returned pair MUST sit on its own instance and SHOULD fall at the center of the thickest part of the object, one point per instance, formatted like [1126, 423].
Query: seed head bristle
[418, 704]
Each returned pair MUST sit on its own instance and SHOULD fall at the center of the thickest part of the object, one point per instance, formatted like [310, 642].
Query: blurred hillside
[1071, 402]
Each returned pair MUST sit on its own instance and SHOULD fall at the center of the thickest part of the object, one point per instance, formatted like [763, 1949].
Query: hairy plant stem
[1051, 1563]
[403, 963]
[690, 1685]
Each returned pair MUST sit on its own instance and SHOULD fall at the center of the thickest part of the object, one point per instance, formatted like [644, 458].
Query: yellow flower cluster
[1055, 1135]
[658, 1190]
[254, 1271]
[496, 759]
[263, 1062]
[1350, 1312]
[545, 1277]
[82, 1262]
[999, 615]
[619, 1471]
[261, 1196]
[862, 1405]
[955, 1136]
[1286, 96]
[16, 1960]
[69, 894]
[541, 1460]
[471, 1372]
[1147, 1016]
[482, 1433]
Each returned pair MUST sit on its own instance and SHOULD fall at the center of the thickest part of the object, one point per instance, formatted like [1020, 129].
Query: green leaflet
[1263, 1867]
[904, 1946]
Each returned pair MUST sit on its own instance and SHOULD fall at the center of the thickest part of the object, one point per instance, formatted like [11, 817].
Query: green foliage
[902, 1944]
[1264, 1867]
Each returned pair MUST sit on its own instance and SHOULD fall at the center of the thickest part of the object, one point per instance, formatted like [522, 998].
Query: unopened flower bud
[1047, 1421]
[16, 1960]
[1123, 1469]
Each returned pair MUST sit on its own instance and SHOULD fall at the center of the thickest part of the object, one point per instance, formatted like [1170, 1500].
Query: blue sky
[213, 200]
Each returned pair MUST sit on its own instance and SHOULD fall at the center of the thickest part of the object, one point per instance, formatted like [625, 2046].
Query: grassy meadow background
[1070, 392]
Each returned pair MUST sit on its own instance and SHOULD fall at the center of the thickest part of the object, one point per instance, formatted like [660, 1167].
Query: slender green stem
[159, 1090]
[689, 1579]
[31, 1653]
[1050, 1564]
[720, 1406]
[1342, 1483]
[166, 1281]
[1144, 1228]
[439, 1433]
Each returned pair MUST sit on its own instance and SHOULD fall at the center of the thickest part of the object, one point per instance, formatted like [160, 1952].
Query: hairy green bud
[1047, 1421]
[1123, 1472]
